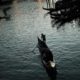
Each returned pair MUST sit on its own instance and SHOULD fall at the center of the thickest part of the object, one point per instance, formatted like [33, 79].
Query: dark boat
[47, 58]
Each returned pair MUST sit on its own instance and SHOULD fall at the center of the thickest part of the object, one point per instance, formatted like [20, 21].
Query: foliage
[65, 11]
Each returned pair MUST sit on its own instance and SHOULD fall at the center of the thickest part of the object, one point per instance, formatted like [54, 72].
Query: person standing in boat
[43, 37]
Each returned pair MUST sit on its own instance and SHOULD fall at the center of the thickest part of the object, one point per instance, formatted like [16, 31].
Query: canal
[18, 37]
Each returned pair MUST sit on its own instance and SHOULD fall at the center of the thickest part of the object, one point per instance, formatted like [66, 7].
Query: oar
[35, 48]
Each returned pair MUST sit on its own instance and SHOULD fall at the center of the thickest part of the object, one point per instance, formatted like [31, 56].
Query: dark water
[19, 36]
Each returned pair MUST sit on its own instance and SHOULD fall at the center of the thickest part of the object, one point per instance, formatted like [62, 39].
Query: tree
[66, 11]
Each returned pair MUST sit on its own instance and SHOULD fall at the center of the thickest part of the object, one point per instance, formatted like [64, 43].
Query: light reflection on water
[19, 36]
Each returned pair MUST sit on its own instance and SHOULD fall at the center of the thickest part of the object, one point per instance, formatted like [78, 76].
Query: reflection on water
[5, 6]
[18, 37]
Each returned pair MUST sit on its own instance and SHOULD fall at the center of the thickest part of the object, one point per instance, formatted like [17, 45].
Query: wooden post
[53, 3]
[50, 4]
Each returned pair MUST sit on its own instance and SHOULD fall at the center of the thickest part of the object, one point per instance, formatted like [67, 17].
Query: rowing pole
[35, 48]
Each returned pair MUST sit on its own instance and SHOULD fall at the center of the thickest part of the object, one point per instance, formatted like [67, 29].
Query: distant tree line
[5, 2]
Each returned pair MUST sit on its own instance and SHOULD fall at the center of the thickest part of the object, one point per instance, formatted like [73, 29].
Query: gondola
[47, 58]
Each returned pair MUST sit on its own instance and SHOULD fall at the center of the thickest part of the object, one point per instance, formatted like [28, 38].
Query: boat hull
[48, 63]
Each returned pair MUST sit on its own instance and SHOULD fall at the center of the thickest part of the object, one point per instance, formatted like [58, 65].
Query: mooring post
[53, 3]
[50, 3]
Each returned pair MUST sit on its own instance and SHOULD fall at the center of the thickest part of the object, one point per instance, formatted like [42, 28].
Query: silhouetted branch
[65, 11]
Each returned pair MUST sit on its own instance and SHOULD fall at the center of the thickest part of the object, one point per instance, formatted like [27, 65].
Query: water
[19, 36]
